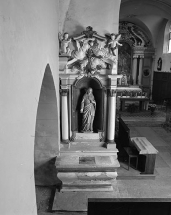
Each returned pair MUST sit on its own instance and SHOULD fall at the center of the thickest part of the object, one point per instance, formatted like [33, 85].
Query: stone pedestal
[88, 168]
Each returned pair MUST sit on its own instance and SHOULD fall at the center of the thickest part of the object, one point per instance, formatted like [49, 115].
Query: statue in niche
[64, 44]
[113, 43]
[88, 109]
[159, 64]
[124, 79]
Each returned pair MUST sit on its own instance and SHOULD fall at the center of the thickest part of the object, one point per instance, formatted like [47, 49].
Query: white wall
[28, 41]
[76, 15]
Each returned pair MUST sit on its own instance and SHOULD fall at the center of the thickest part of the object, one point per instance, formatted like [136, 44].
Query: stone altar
[88, 157]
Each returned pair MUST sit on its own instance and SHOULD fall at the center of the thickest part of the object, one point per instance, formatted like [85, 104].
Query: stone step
[97, 186]
[89, 181]
[87, 136]
[88, 147]
[78, 201]
[95, 163]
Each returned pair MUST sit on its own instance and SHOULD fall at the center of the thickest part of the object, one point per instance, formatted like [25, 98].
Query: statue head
[113, 36]
[89, 91]
[66, 35]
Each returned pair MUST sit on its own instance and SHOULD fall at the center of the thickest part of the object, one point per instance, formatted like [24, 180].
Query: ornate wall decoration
[124, 59]
[133, 35]
[92, 52]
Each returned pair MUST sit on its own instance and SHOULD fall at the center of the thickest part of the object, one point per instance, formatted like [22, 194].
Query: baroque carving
[112, 92]
[64, 92]
[133, 35]
[92, 53]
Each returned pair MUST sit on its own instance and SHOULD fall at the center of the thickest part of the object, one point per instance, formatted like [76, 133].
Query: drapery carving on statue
[91, 53]
[88, 109]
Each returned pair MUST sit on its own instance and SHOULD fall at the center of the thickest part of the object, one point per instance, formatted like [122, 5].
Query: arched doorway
[46, 132]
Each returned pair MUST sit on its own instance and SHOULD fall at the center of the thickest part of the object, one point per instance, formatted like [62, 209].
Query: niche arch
[78, 90]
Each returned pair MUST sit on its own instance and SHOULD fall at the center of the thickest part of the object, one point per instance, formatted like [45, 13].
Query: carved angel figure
[64, 43]
[80, 52]
[113, 42]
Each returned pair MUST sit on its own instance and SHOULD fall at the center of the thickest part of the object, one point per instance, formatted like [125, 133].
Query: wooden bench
[131, 154]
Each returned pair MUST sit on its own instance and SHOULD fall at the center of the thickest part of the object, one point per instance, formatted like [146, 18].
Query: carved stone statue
[80, 52]
[64, 43]
[88, 108]
[159, 64]
[113, 42]
[92, 53]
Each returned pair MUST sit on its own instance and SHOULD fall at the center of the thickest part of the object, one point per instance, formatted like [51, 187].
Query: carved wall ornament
[133, 35]
[146, 71]
[64, 92]
[92, 74]
[112, 92]
[64, 44]
[93, 52]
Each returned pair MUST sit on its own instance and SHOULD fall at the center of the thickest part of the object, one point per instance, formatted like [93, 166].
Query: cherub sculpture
[80, 53]
[64, 43]
[113, 42]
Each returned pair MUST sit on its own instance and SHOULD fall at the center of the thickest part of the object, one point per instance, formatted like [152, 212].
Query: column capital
[112, 92]
[135, 56]
[141, 56]
[64, 92]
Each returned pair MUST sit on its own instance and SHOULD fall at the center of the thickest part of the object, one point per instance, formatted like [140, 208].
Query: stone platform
[87, 165]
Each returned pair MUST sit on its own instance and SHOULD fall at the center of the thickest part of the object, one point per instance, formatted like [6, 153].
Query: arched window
[169, 43]
[167, 38]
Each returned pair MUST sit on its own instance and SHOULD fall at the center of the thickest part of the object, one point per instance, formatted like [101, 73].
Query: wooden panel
[161, 86]
[124, 133]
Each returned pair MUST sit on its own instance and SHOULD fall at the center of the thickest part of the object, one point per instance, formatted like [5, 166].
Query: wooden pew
[147, 152]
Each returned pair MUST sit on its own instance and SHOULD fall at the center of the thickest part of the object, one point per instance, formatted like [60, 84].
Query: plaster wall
[153, 23]
[28, 42]
[102, 15]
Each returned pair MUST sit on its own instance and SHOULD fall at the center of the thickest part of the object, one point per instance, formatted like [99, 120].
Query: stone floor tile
[162, 148]
[164, 171]
[160, 162]
[153, 137]
[166, 157]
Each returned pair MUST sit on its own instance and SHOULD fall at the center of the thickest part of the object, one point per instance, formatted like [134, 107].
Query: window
[167, 38]
[169, 44]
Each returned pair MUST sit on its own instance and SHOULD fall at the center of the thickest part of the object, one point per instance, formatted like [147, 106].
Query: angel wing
[118, 37]
[60, 36]
[78, 45]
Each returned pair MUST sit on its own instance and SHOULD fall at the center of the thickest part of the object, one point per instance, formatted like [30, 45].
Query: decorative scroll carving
[133, 35]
